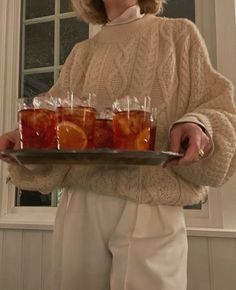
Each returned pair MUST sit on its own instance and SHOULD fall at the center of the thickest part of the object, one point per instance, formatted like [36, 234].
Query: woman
[123, 228]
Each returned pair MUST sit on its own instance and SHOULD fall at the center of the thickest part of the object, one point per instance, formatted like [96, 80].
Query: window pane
[37, 83]
[39, 8]
[32, 198]
[66, 6]
[39, 45]
[196, 206]
[180, 9]
[72, 31]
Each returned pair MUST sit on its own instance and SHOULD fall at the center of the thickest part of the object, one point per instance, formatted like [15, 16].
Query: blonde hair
[93, 11]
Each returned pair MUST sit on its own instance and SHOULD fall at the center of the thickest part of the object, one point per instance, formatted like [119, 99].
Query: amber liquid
[83, 117]
[103, 135]
[37, 129]
[132, 130]
[153, 137]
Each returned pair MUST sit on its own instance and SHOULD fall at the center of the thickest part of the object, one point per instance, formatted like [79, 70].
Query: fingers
[192, 152]
[171, 163]
[7, 159]
[197, 141]
[9, 140]
[175, 146]
[206, 144]
[175, 140]
[4, 143]
[17, 141]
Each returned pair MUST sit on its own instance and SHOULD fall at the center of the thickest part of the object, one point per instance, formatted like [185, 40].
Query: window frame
[55, 69]
[211, 215]
[12, 216]
[56, 66]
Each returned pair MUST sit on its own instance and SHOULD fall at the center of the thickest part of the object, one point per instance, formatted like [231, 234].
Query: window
[180, 9]
[218, 212]
[46, 26]
[50, 29]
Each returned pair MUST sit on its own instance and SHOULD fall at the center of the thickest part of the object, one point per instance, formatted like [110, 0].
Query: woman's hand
[10, 140]
[190, 139]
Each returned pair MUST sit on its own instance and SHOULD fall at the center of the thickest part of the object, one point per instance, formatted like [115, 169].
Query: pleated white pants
[107, 243]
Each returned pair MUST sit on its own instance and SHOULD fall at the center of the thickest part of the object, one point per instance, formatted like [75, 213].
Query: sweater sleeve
[42, 178]
[212, 104]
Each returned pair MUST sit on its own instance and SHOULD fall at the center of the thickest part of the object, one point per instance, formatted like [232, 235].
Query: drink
[131, 130]
[37, 129]
[103, 136]
[153, 128]
[152, 137]
[75, 127]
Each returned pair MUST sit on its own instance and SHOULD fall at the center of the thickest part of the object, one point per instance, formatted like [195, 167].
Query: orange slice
[71, 136]
[142, 141]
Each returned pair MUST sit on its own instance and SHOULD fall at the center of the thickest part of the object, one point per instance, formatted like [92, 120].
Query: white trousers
[107, 243]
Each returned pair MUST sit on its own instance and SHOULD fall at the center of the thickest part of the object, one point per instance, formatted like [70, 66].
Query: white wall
[25, 261]
[225, 12]
[225, 15]
[212, 263]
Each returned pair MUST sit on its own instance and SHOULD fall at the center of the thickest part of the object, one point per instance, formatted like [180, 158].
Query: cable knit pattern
[43, 178]
[166, 59]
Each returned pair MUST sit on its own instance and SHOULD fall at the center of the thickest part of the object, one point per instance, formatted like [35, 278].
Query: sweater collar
[130, 14]
[117, 33]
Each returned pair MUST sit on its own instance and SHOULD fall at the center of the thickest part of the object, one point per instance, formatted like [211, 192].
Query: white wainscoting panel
[11, 260]
[32, 253]
[25, 261]
[212, 263]
[46, 261]
[198, 264]
[223, 262]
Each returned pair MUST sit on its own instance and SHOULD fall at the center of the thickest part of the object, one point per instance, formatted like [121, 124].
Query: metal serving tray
[88, 157]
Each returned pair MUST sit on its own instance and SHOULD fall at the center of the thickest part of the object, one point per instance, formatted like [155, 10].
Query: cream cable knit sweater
[167, 60]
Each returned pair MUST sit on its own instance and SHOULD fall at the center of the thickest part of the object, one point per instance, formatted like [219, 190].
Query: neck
[114, 8]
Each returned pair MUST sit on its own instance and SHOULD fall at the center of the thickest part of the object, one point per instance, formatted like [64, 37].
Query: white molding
[9, 59]
[57, 36]
[206, 22]
[39, 218]
[10, 21]
[50, 17]
[228, 203]
[226, 63]
[210, 216]
[19, 223]
[226, 37]
[211, 232]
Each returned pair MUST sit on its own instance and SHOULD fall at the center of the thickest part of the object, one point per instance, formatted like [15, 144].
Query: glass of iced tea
[103, 134]
[37, 123]
[153, 128]
[132, 123]
[76, 120]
